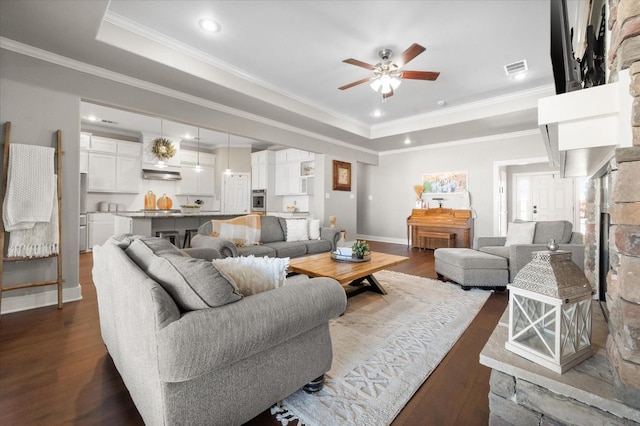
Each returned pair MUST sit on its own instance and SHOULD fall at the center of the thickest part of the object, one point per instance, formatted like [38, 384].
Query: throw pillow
[192, 283]
[314, 229]
[297, 230]
[520, 233]
[252, 274]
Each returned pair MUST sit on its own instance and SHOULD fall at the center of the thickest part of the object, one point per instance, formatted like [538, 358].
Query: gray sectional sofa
[493, 264]
[519, 255]
[272, 241]
[191, 350]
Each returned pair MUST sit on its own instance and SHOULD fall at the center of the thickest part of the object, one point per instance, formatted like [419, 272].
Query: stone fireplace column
[623, 280]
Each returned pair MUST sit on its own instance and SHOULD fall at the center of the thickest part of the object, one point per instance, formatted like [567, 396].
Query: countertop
[151, 214]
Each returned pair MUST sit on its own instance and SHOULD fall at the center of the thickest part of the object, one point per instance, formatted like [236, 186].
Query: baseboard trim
[40, 299]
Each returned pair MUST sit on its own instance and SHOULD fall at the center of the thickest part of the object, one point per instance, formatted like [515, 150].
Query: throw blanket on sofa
[242, 231]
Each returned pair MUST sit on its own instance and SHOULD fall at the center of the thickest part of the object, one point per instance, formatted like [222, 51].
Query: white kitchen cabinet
[84, 161]
[85, 140]
[102, 172]
[114, 166]
[100, 144]
[100, 226]
[200, 183]
[294, 177]
[262, 172]
[128, 174]
[191, 157]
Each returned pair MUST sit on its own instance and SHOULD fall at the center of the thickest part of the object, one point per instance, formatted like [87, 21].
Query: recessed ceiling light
[441, 103]
[209, 25]
[407, 141]
[377, 113]
[92, 118]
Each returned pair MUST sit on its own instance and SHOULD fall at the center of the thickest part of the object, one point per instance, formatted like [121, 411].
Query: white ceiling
[282, 60]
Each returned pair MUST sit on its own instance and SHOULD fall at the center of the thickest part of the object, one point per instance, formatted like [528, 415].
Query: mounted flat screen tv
[566, 69]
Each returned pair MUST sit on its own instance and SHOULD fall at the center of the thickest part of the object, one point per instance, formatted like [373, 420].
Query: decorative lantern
[550, 312]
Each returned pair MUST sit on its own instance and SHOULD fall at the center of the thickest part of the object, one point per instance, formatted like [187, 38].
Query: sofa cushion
[317, 246]
[254, 275]
[271, 230]
[520, 233]
[469, 259]
[259, 251]
[502, 251]
[297, 230]
[284, 249]
[559, 230]
[314, 229]
[193, 283]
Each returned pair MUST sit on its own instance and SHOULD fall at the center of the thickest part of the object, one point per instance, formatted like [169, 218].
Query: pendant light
[228, 171]
[198, 168]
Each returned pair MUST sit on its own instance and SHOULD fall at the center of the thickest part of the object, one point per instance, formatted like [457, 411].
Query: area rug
[384, 348]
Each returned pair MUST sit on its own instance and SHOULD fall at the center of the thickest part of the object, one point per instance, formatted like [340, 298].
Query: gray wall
[390, 184]
[35, 114]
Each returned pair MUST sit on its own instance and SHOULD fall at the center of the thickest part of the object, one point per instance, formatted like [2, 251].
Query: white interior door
[552, 198]
[236, 193]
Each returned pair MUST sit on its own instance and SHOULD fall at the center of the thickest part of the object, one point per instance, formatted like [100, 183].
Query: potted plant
[360, 248]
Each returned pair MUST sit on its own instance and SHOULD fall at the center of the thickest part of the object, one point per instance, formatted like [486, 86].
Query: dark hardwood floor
[54, 368]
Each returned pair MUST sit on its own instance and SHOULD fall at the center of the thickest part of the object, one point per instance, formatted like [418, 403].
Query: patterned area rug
[384, 348]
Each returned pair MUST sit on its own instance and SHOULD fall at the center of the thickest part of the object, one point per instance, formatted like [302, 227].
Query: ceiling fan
[387, 74]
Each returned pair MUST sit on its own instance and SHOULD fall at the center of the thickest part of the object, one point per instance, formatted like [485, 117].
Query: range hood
[160, 174]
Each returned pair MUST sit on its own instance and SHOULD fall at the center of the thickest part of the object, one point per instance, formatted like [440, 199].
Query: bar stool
[172, 236]
[187, 237]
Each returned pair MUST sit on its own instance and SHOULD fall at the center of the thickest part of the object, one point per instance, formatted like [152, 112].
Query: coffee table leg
[374, 285]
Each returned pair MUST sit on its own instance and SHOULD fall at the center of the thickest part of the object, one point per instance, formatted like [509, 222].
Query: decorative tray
[345, 258]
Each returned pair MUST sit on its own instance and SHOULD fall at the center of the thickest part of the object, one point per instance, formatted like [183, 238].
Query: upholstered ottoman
[472, 268]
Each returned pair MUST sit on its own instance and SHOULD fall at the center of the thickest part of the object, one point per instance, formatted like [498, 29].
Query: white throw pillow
[297, 230]
[520, 233]
[314, 229]
[253, 275]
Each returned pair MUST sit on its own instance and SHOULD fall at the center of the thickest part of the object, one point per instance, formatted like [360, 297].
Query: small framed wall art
[341, 176]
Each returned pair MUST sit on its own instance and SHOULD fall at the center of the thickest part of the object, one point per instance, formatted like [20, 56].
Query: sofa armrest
[208, 339]
[332, 235]
[224, 247]
[479, 242]
[205, 253]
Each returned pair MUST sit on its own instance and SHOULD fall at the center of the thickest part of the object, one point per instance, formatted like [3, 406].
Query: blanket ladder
[5, 164]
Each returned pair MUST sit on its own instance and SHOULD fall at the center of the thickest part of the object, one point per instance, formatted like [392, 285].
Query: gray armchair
[519, 255]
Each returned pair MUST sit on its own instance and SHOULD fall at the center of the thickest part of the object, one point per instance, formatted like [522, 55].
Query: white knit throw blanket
[39, 241]
[30, 186]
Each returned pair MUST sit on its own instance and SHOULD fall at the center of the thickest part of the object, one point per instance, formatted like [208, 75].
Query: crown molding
[489, 138]
[53, 58]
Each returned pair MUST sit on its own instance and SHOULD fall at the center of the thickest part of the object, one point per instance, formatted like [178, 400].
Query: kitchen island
[149, 222]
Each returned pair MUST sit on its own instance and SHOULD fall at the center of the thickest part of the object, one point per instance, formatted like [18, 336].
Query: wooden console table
[435, 228]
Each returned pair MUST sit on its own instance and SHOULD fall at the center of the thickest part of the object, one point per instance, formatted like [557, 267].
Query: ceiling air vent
[516, 68]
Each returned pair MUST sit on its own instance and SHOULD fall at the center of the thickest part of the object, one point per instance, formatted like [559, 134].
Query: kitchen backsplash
[135, 202]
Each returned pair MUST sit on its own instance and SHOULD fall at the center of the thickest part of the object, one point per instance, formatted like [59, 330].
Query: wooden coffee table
[352, 274]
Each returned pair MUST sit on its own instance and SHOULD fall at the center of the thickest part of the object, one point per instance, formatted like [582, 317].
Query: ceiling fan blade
[355, 83]
[359, 63]
[413, 51]
[420, 75]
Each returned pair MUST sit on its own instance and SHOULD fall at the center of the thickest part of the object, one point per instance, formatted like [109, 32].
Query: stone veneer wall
[623, 280]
